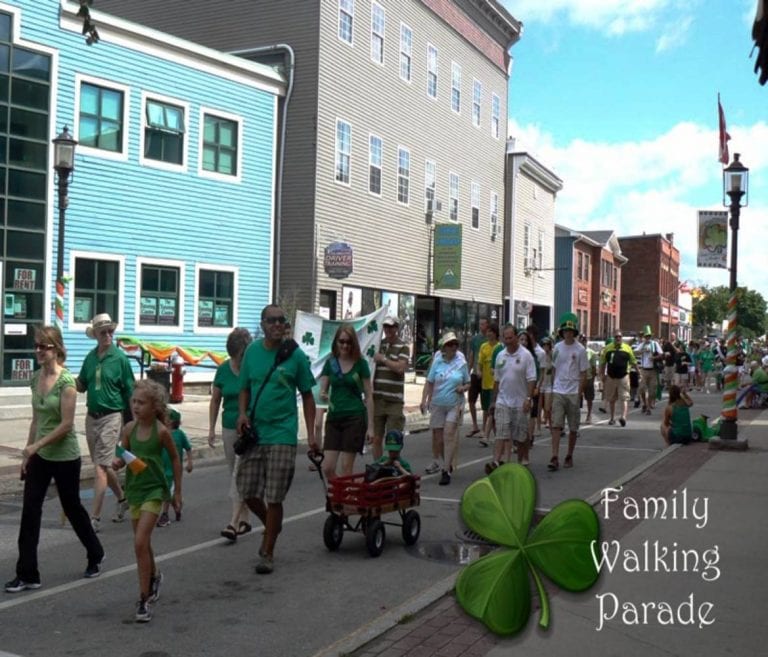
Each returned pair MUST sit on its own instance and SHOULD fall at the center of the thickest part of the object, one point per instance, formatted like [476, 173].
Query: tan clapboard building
[396, 124]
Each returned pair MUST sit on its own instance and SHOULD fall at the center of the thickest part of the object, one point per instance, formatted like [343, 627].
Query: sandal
[230, 533]
[554, 464]
[243, 528]
[568, 461]
[474, 432]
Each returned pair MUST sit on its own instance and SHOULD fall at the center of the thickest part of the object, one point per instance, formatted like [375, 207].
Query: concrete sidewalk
[721, 563]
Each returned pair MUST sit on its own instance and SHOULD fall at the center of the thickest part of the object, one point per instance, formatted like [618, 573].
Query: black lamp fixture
[64, 165]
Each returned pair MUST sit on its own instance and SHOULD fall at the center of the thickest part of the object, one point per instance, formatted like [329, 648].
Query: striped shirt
[387, 384]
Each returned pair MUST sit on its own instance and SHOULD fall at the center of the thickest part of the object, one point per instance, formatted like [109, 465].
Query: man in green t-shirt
[267, 403]
[107, 378]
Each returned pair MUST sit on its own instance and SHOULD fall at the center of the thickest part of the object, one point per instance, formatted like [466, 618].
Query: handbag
[250, 436]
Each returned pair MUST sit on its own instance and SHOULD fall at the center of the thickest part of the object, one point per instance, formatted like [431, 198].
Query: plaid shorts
[511, 423]
[266, 473]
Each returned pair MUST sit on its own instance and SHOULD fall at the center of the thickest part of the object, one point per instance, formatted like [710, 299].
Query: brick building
[651, 284]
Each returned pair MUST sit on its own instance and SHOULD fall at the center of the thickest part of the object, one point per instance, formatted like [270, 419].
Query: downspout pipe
[289, 65]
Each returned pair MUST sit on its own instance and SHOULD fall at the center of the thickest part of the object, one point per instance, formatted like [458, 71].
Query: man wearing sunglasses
[107, 378]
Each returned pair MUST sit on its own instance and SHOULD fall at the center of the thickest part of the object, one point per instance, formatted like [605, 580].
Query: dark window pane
[5, 28]
[29, 124]
[29, 94]
[107, 278]
[3, 151]
[4, 55]
[207, 284]
[28, 154]
[168, 280]
[3, 119]
[225, 283]
[26, 245]
[31, 64]
[150, 279]
[25, 214]
[26, 184]
[85, 273]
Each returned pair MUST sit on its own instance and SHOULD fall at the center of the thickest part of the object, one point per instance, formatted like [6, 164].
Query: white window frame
[430, 174]
[159, 164]
[495, 116]
[454, 183]
[215, 330]
[432, 71]
[477, 102]
[157, 328]
[406, 52]
[215, 175]
[346, 9]
[474, 202]
[456, 87]
[376, 35]
[338, 154]
[494, 214]
[72, 325]
[380, 165]
[526, 243]
[406, 177]
[122, 155]
[540, 260]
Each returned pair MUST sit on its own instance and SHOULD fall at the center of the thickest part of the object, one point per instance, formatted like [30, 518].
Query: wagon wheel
[375, 537]
[411, 527]
[333, 532]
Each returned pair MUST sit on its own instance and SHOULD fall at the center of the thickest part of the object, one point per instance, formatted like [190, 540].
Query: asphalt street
[212, 603]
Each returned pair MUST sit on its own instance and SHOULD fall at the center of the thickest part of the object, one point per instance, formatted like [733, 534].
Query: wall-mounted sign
[447, 257]
[22, 369]
[524, 308]
[15, 329]
[83, 309]
[205, 312]
[338, 260]
[24, 279]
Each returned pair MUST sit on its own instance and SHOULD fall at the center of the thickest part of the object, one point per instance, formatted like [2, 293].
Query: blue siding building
[170, 220]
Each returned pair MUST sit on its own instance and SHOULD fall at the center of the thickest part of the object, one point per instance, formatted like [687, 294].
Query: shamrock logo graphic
[371, 352]
[308, 338]
[495, 589]
[373, 326]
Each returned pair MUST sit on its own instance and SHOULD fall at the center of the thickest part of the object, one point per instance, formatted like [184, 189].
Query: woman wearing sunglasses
[52, 452]
[345, 384]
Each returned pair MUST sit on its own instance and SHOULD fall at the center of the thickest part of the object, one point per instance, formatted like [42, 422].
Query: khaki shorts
[616, 389]
[648, 382]
[150, 506]
[439, 416]
[387, 415]
[266, 473]
[511, 423]
[102, 435]
[565, 407]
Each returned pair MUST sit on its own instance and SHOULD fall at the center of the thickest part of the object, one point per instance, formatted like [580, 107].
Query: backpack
[618, 359]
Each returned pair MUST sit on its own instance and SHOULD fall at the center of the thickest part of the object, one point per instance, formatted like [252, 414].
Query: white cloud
[657, 186]
[675, 35]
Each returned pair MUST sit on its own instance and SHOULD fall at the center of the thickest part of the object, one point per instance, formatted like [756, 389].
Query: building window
[97, 289]
[343, 151]
[495, 114]
[586, 266]
[406, 51]
[374, 165]
[377, 33]
[430, 181]
[540, 261]
[215, 298]
[579, 265]
[453, 196]
[220, 138]
[455, 87]
[164, 132]
[474, 199]
[527, 246]
[403, 175]
[431, 71]
[346, 19]
[160, 295]
[477, 99]
[494, 214]
[101, 118]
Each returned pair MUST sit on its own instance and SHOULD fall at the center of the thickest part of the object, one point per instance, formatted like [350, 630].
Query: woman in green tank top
[676, 423]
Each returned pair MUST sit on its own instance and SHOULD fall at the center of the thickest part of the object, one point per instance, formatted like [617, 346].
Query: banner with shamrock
[315, 336]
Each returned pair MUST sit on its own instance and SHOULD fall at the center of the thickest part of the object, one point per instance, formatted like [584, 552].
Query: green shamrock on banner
[495, 589]
[371, 351]
[373, 326]
[308, 338]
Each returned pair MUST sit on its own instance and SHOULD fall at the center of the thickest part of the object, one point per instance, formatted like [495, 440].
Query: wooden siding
[124, 208]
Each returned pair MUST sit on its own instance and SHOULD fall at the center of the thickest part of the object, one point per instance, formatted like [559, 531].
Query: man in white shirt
[648, 353]
[514, 377]
[569, 360]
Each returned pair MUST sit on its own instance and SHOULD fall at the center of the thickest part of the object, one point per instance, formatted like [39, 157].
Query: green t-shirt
[182, 445]
[47, 412]
[277, 417]
[477, 342]
[108, 380]
[345, 396]
[760, 379]
[229, 384]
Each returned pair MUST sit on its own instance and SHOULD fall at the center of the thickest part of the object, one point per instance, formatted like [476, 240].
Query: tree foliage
[712, 308]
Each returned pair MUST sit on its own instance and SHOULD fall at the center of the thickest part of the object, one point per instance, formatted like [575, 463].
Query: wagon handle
[316, 457]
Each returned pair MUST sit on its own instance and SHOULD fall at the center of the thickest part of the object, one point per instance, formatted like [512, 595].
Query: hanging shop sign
[447, 256]
[338, 260]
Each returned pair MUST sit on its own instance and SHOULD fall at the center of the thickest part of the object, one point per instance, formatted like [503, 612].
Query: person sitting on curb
[676, 422]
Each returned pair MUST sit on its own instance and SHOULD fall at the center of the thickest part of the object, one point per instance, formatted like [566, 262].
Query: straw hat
[99, 322]
[450, 336]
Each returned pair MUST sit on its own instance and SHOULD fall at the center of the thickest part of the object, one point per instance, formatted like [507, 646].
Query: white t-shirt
[569, 362]
[513, 372]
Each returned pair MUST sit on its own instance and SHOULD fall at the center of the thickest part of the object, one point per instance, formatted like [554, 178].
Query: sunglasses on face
[275, 320]
[43, 347]
[106, 331]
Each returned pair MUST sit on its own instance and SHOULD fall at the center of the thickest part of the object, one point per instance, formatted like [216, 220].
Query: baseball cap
[391, 320]
[393, 441]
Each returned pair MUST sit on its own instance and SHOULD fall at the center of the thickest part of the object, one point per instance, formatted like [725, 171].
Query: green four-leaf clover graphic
[495, 589]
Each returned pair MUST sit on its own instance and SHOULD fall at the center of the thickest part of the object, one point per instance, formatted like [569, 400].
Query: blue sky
[619, 99]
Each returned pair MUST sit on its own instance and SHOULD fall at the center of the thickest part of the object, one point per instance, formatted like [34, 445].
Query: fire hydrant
[177, 380]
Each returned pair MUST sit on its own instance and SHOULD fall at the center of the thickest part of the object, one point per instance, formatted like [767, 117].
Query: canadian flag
[724, 136]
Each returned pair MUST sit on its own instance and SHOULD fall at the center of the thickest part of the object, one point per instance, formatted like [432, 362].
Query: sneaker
[265, 565]
[588, 420]
[143, 612]
[483, 442]
[16, 585]
[432, 468]
[163, 520]
[120, 510]
[637, 403]
[96, 524]
[490, 467]
[94, 568]
[154, 587]
[622, 422]
[445, 478]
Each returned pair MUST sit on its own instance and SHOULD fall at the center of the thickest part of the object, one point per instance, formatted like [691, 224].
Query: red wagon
[351, 495]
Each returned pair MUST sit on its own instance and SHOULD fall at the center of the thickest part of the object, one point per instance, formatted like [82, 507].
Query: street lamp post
[735, 187]
[64, 165]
